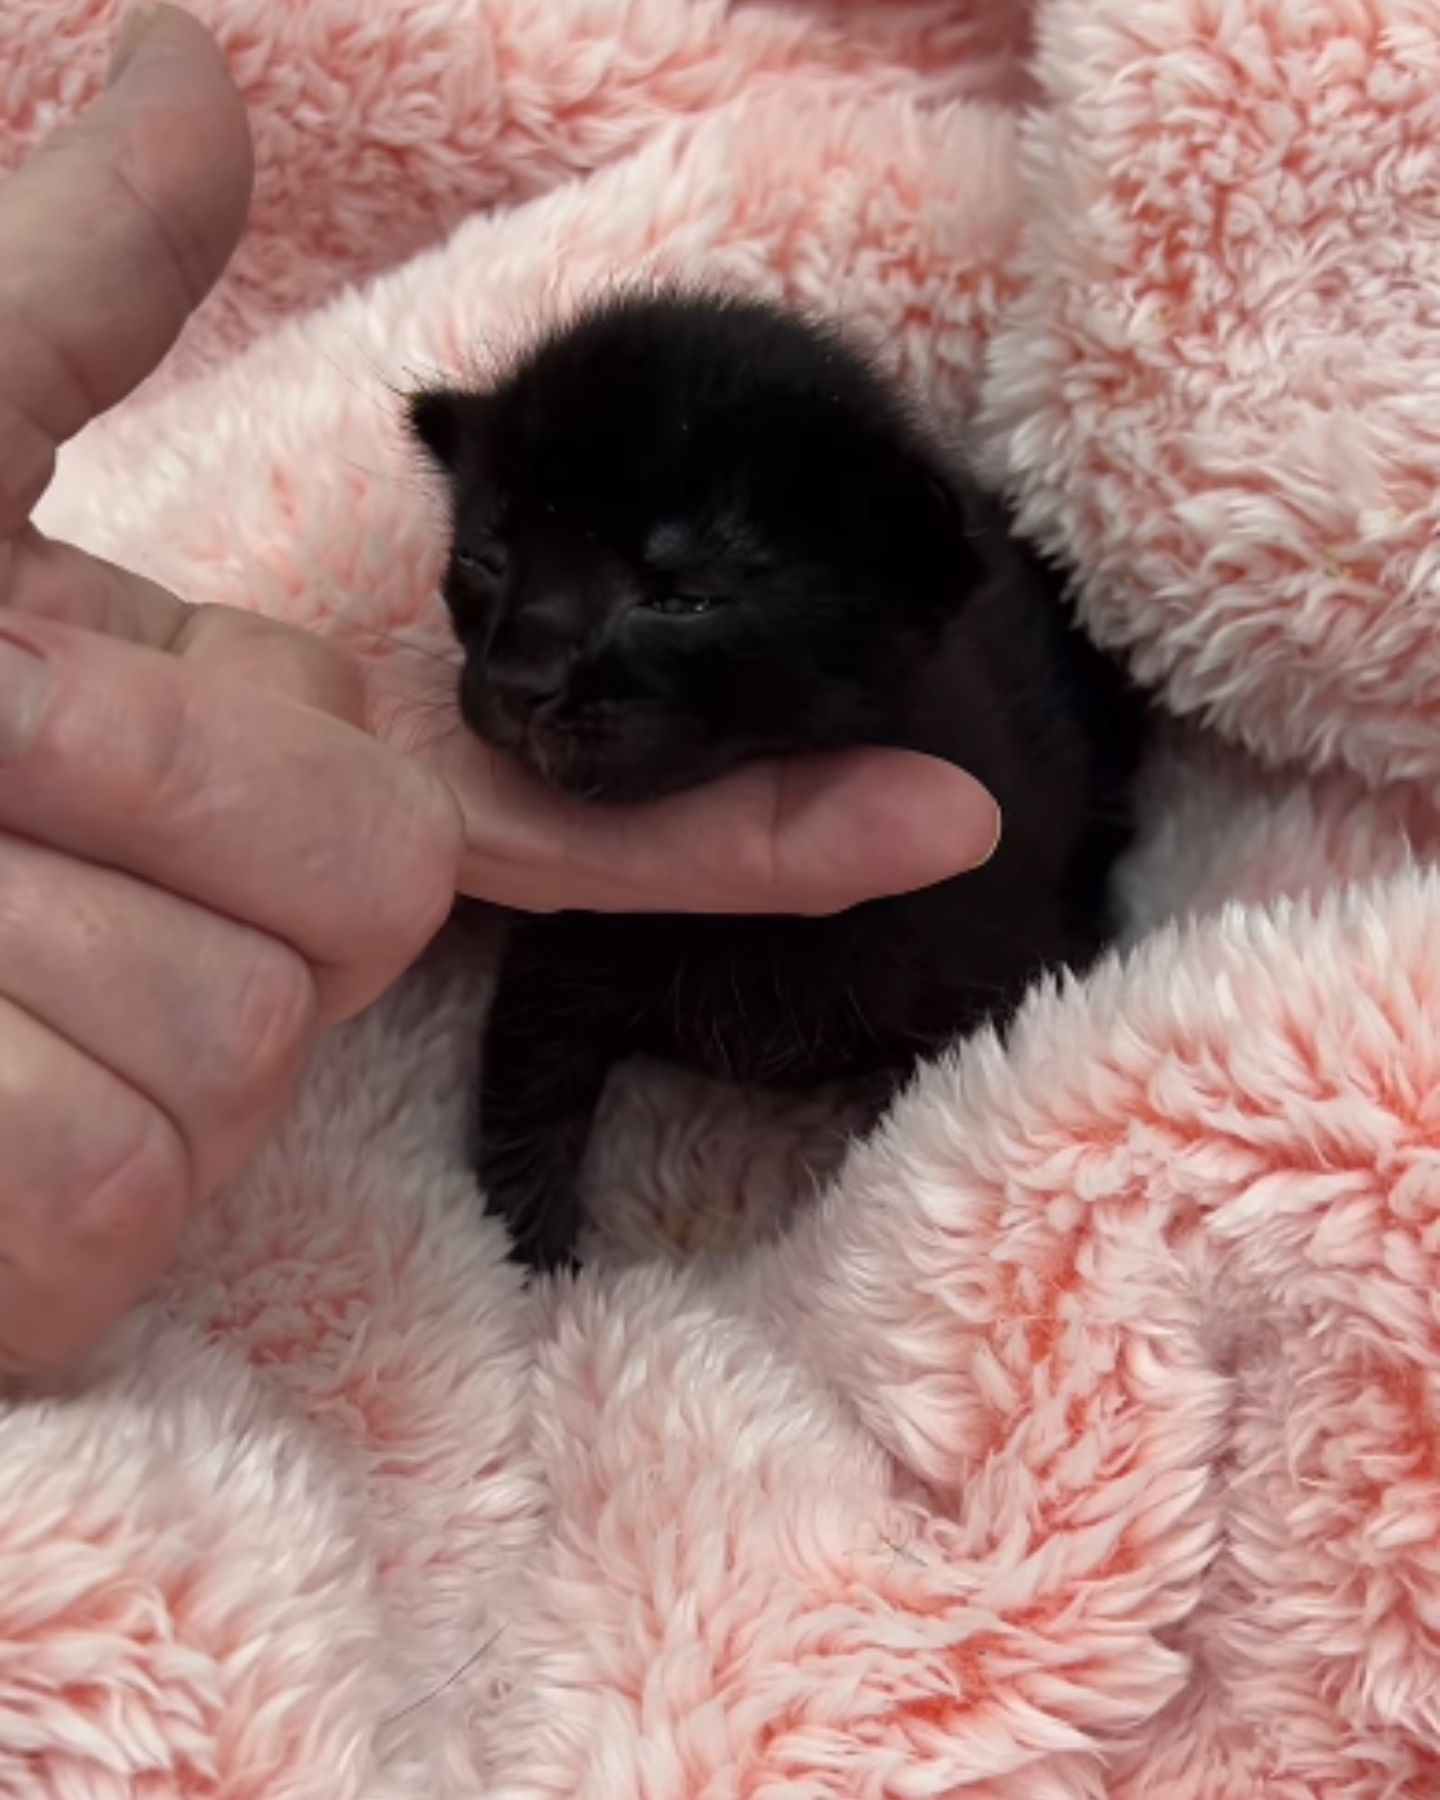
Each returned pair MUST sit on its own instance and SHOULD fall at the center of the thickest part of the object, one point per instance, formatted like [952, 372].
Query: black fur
[692, 531]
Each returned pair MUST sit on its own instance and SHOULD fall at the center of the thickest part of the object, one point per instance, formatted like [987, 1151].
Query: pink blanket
[1084, 1439]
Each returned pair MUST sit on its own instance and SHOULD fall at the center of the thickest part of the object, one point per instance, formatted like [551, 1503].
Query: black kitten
[692, 531]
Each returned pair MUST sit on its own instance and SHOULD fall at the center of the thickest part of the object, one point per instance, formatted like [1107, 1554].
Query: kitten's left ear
[438, 418]
[970, 520]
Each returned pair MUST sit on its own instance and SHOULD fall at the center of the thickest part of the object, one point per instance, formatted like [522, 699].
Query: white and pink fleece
[1082, 1441]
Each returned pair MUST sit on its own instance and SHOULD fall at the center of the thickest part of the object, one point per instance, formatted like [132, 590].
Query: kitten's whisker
[396, 638]
[450, 663]
[422, 379]
[413, 484]
[366, 394]
[375, 368]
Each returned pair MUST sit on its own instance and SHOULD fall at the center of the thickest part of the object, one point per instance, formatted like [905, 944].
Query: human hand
[203, 862]
[198, 871]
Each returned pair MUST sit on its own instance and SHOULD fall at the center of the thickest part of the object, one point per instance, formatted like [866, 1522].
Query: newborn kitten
[693, 531]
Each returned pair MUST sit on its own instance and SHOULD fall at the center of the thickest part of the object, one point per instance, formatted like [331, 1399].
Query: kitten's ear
[440, 418]
[968, 518]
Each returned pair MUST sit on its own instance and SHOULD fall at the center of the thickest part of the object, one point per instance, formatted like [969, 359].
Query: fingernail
[132, 33]
[995, 841]
[24, 688]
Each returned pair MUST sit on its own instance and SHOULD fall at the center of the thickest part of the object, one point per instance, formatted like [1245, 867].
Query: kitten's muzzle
[524, 689]
[498, 712]
[530, 722]
[502, 698]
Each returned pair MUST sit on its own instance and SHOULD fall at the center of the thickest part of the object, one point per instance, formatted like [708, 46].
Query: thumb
[109, 238]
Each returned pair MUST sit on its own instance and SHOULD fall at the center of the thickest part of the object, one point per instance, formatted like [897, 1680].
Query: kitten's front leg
[550, 1043]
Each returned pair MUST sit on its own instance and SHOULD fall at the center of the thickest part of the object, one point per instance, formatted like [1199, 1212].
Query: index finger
[813, 834]
[236, 798]
[113, 233]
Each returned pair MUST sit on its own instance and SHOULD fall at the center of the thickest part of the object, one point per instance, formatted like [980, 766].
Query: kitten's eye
[489, 562]
[682, 606]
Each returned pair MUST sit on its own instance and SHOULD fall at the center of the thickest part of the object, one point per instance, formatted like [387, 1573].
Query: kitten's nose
[528, 658]
[524, 684]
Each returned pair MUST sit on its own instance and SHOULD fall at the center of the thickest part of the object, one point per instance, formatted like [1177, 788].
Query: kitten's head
[688, 532]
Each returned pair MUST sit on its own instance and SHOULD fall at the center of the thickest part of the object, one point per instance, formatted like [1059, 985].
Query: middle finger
[203, 1016]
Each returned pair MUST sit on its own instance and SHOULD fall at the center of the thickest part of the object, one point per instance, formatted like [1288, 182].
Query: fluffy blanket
[1082, 1438]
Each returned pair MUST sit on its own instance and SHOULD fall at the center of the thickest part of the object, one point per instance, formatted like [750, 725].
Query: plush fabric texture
[1082, 1439]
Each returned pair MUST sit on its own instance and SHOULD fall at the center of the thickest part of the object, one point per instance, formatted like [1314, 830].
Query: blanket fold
[1080, 1439]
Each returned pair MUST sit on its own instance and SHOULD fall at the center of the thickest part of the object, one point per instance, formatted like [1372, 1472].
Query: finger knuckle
[28, 464]
[172, 237]
[321, 676]
[264, 1020]
[420, 887]
[137, 1201]
[296, 665]
[148, 763]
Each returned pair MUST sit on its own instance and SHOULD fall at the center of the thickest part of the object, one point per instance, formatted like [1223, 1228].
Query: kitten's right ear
[438, 420]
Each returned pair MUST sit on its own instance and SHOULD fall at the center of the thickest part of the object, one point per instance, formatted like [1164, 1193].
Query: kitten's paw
[543, 1255]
